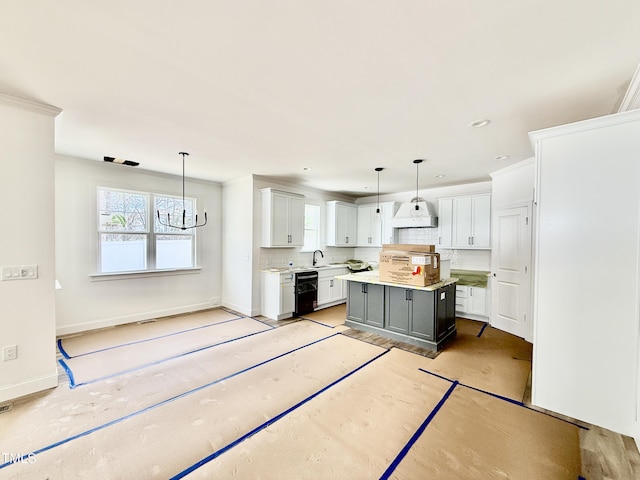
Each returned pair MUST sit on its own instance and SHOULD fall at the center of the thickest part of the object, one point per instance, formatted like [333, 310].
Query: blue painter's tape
[414, 438]
[263, 322]
[72, 382]
[436, 375]
[154, 338]
[169, 400]
[501, 397]
[166, 359]
[482, 329]
[241, 439]
[319, 323]
[61, 350]
[521, 404]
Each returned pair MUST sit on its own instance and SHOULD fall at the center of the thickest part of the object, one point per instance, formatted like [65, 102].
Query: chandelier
[184, 225]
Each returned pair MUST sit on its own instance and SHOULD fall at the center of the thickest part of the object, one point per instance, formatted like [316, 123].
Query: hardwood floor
[606, 455]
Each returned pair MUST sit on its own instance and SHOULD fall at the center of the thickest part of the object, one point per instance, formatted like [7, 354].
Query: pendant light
[417, 212]
[184, 225]
[378, 215]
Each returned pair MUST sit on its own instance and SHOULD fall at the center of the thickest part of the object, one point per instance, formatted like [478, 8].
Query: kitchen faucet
[314, 256]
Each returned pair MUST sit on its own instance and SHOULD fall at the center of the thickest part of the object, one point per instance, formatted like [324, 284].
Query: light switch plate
[19, 272]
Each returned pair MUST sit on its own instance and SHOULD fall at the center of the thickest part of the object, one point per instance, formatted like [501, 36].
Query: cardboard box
[409, 247]
[403, 267]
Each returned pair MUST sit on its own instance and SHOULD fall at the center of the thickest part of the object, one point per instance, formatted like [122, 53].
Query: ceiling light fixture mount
[184, 225]
[480, 123]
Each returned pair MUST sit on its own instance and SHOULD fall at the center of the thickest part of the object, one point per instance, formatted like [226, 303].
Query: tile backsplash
[280, 257]
[460, 259]
[426, 236]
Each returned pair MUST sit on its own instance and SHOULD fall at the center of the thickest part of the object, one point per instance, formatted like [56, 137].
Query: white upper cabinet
[445, 219]
[465, 222]
[369, 226]
[373, 229]
[342, 221]
[388, 209]
[282, 218]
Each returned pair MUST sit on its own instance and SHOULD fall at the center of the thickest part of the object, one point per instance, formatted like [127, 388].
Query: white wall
[237, 243]
[513, 184]
[27, 307]
[587, 286]
[87, 302]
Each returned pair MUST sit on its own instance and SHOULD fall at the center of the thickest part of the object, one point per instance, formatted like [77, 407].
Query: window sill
[101, 277]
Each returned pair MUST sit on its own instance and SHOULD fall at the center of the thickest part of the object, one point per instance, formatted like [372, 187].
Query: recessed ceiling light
[367, 187]
[306, 168]
[480, 123]
[440, 176]
[502, 157]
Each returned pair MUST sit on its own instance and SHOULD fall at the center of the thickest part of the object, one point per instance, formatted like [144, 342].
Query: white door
[511, 258]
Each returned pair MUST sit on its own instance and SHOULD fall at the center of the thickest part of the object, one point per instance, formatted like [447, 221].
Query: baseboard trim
[12, 392]
[137, 317]
[241, 309]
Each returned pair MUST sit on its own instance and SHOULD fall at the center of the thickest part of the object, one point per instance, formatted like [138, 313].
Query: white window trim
[305, 250]
[96, 275]
[101, 277]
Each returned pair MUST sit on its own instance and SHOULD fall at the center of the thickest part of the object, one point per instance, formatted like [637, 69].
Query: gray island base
[421, 316]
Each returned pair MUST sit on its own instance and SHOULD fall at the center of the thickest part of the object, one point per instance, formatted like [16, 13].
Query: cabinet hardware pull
[331, 282]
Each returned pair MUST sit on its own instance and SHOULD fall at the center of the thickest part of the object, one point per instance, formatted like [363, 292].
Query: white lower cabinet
[278, 295]
[471, 302]
[331, 290]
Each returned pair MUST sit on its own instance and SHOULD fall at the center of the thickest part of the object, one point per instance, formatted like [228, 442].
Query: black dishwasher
[306, 292]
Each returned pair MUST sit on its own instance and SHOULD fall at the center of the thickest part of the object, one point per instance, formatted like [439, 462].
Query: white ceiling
[341, 86]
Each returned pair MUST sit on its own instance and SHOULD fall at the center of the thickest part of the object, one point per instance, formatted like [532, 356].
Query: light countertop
[373, 277]
[279, 270]
[471, 278]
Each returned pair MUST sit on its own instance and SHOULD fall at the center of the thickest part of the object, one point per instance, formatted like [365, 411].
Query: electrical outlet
[10, 352]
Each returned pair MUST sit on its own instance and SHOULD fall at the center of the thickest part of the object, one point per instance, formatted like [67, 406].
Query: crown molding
[584, 125]
[29, 105]
[631, 100]
[511, 168]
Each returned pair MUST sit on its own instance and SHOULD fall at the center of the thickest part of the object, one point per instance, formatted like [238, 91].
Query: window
[311, 228]
[130, 237]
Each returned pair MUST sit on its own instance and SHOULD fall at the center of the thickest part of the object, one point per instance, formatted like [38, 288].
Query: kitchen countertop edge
[373, 277]
[279, 270]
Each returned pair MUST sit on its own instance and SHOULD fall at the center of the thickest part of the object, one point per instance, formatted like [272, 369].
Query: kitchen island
[421, 316]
